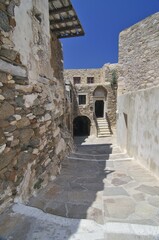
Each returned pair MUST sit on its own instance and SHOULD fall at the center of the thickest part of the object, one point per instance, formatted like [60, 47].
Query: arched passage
[81, 126]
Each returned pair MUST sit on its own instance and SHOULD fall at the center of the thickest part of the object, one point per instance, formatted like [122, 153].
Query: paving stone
[78, 211]
[119, 207]
[146, 210]
[118, 181]
[115, 191]
[148, 189]
[139, 196]
[154, 201]
[57, 208]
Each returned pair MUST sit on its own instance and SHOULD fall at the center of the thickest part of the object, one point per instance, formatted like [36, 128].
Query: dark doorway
[81, 126]
[99, 108]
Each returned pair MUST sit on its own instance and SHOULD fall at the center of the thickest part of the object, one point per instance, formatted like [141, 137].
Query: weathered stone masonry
[138, 108]
[33, 133]
[138, 54]
[102, 79]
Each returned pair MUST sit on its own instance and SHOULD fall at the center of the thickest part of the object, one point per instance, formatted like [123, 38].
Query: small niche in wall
[126, 119]
[37, 15]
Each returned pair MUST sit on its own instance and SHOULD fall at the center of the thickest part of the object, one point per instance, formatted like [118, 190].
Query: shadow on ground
[76, 193]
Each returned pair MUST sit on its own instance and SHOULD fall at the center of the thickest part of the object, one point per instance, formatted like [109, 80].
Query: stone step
[102, 123]
[104, 133]
[100, 150]
[103, 130]
[103, 126]
[98, 157]
[101, 136]
[101, 119]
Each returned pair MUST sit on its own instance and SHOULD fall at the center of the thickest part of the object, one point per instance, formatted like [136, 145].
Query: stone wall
[102, 77]
[34, 138]
[88, 109]
[138, 55]
[137, 124]
[83, 74]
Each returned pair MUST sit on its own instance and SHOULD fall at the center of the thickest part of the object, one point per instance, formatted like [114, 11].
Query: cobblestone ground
[115, 196]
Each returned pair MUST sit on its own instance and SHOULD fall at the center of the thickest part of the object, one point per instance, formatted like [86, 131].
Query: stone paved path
[117, 197]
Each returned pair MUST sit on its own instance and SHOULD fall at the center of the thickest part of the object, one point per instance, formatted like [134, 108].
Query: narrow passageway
[98, 183]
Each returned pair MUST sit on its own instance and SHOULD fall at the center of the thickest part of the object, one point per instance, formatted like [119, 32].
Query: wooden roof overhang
[64, 21]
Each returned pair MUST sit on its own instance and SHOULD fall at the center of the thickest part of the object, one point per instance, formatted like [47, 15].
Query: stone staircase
[102, 128]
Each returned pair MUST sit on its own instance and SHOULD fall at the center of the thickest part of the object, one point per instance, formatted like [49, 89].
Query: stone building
[138, 108]
[34, 136]
[93, 99]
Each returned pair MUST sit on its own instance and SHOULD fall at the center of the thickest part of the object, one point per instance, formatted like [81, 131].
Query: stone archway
[81, 126]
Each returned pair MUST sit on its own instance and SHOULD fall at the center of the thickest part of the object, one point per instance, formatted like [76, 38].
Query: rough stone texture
[138, 111]
[138, 55]
[102, 78]
[32, 102]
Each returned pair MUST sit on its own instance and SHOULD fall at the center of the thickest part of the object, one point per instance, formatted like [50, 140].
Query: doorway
[99, 108]
[81, 126]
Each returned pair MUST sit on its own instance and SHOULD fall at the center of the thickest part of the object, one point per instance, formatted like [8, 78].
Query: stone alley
[101, 194]
[79, 146]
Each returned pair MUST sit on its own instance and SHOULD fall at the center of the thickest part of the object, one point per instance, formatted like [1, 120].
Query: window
[76, 80]
[90, 79]
[82, 99]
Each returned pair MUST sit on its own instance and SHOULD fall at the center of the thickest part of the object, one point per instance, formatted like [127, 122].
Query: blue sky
[102, 21]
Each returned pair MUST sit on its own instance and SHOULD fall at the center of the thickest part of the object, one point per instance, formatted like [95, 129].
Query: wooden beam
[71, 35]
[68, 28]
[64, 20]
[61, 10]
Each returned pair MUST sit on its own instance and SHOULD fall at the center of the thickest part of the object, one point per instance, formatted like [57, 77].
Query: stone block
[17, 117]
[8, 53]
[2, 148]
[23, 159]
[29, 99]
[34, 142]
[47, 117]
[7, 43]
[7, 158]
[19, 101]
[17, 71]
[9, 94]
[24, 122]
[4, 123]
[10, 129]
[38, 111]
[61, 146]
[2, 98]
[24, 89]
[4, 21]
[25, 135]
[14, 143]
[6, 110]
